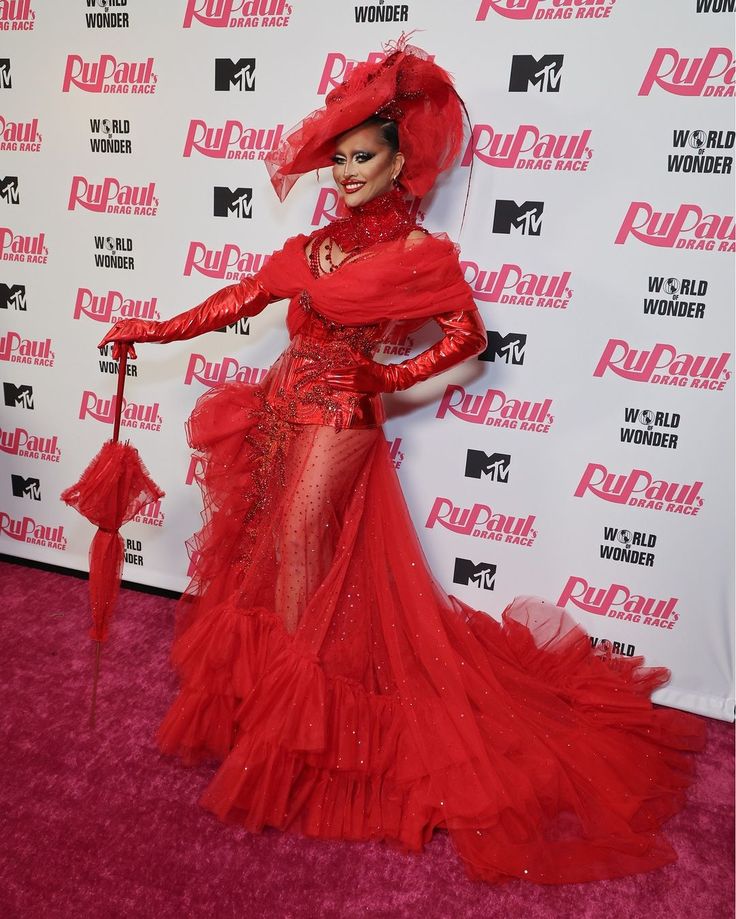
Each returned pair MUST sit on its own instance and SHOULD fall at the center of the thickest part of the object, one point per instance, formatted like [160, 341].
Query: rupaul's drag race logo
[19, 136]
[229, 263]
[646, 428]
[511, 285]
[238, 14]
[696, 159]
[233, 141]
[18, 350]
[196, 469]
[546, 9]
[108, 75]
[496, 409]
[480, 522]
[671, 292]
[639, 488]
[111, 197]
[528, 148]
[140, 415]
[113, 305]
[619, 602]
[114, 252]
[662, 364]
[26, 529]
[710, 75]
[151, 514]
[396, 454]
[338, 67]
[222, 371]
[104, 14]
[16, 16]
[16, 247]
[630, 546]
[686, 228]
[20, 442]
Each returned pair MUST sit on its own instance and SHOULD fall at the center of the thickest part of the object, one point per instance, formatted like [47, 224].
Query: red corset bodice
[294, 384]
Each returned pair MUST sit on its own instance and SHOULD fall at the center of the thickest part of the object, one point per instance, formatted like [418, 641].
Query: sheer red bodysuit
[342, 691]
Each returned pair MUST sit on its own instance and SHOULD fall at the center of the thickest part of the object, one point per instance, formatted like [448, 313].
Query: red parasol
[112, 490]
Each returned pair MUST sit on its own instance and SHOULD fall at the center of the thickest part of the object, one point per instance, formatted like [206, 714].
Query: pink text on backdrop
[710, 75]
[617, 601]
[639, 488]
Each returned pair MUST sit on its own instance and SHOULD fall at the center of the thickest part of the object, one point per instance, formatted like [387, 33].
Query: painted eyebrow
[356, 152]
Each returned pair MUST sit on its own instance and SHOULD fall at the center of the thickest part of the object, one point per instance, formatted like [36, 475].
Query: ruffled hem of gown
[326, 758]
[575, 770]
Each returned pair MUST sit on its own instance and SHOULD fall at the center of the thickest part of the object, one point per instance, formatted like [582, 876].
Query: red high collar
[383, 218]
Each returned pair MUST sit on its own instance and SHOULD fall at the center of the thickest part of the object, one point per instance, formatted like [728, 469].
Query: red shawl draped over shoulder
[400, 280]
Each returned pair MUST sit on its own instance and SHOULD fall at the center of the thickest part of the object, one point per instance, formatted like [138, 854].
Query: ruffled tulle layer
[390, 709]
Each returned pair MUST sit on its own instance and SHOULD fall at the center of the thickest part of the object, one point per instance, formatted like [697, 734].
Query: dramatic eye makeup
[362, 156]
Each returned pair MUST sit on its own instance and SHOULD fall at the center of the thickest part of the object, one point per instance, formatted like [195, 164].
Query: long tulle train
[345, 695]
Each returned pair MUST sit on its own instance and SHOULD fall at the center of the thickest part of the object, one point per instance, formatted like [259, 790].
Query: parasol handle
[121, 386]
[95, 680]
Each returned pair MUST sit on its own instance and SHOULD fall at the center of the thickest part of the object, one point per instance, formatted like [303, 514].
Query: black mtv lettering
[494, 465]
[26, 488]
[9, 190]
[509, 348]
[236, 203]
[544, 73]
[524, 218]
[240, 326]
[235, 74]
[13, 296]
[18, 396]
[6, 80]
[467, 572]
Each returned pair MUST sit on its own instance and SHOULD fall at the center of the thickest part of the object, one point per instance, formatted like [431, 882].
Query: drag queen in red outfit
[343, 692]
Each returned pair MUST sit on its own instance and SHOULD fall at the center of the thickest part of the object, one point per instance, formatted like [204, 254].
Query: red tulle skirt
[347, 696]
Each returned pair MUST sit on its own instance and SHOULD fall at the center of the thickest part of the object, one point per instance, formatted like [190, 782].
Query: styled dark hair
[389, 130]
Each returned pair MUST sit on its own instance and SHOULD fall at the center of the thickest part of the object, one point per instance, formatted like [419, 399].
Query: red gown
[347, 696]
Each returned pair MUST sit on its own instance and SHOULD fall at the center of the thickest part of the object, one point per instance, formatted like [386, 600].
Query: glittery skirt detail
[346, 696]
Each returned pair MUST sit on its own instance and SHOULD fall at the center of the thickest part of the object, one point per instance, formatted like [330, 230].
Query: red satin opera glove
[465, 335]
[246, 298]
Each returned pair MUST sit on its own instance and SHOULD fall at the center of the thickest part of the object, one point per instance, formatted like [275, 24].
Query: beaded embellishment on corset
[321, 344]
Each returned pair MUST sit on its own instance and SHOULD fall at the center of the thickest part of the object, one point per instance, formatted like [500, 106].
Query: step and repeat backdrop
[586, 456]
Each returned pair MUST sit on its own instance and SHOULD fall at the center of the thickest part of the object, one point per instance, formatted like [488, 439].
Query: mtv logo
[467, 573]
[25, 488]
[239, 74]
[494, 465]
[508, 348]
[9, 190]
[13, 296]
[544, 73]
[240, 326]
[18, 396]
[525, 219]
[237, 203]
[6, 81]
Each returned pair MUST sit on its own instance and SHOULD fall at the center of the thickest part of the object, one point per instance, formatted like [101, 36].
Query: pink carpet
[98, 824]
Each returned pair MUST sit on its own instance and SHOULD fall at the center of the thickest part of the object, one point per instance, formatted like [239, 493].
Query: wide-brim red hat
[406, 87]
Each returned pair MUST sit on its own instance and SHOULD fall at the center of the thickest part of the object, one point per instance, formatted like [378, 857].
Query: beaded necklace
[383, 218]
